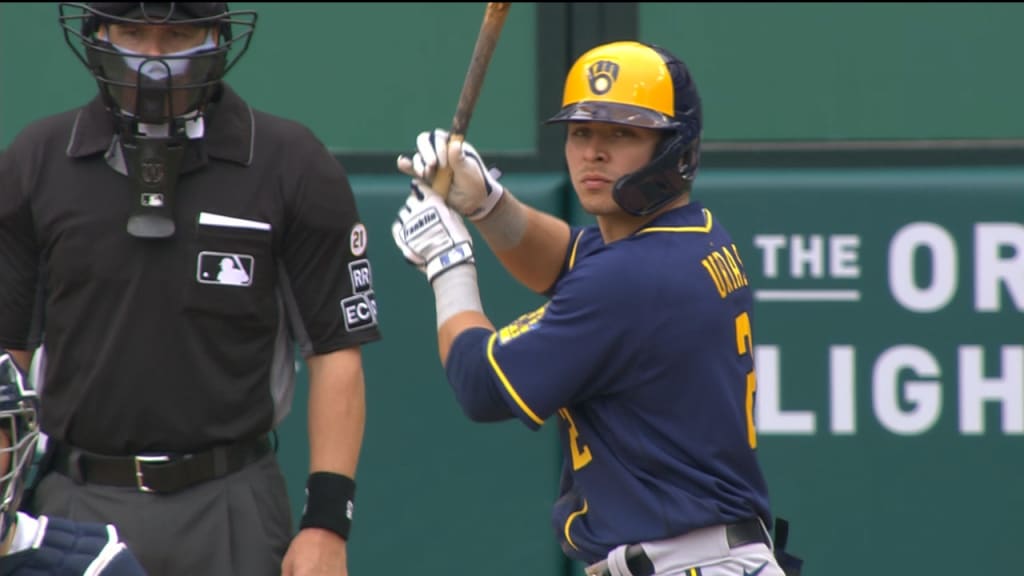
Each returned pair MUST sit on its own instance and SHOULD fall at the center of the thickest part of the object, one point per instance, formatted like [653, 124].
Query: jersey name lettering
[521, 325]
[726, 270]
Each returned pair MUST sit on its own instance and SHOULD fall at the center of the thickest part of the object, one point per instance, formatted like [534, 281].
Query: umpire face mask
[158, 100]
[157, 89]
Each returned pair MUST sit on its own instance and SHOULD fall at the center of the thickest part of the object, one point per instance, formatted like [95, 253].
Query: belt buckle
[140, 480]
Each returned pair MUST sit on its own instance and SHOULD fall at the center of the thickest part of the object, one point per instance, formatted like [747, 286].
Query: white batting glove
[431, 235]
[474, 189]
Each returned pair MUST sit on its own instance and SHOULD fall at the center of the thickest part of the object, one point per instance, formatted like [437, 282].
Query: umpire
[166, 250]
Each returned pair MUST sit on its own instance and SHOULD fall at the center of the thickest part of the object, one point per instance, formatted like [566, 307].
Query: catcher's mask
[640, 85]
[19, 432]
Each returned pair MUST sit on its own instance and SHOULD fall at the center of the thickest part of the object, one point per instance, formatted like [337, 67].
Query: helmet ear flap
[659, 182]
[673, 167]
[689, 160]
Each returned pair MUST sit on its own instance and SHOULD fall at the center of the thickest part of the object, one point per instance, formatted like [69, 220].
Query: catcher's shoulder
[68, 546]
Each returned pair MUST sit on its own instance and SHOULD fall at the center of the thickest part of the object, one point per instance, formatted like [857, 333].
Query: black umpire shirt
[180, 343]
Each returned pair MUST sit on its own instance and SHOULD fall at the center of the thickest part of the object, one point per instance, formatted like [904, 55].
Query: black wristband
[329, 499]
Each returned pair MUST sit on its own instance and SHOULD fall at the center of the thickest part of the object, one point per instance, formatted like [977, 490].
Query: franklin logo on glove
[420, 224]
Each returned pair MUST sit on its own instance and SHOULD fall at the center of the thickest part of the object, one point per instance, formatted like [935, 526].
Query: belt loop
[221, 466]
[617, 562]
[767, 534]
[75, 466]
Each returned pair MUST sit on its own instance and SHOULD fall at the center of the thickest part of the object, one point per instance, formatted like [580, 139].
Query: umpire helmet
[646, 86]
[19, 407]
[156, 88]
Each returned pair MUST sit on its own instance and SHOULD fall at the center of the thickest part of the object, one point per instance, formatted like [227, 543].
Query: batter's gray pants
[703, 552]
[237, 525]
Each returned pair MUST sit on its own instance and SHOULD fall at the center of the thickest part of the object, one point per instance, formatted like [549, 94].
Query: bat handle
[443, 179]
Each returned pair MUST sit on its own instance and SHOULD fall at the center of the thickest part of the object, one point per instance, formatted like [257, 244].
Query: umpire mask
[157, 90]
[169, 82]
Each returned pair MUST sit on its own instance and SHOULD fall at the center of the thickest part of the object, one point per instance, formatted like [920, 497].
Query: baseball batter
[643, 353]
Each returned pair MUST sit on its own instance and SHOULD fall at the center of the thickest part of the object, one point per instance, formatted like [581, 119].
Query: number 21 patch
[357, 239]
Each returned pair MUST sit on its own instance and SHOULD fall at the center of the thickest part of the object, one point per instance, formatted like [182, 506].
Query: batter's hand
[316, 552]
[431, 235]
[474, 190]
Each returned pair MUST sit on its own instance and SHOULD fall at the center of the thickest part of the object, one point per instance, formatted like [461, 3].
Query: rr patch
[362, 277]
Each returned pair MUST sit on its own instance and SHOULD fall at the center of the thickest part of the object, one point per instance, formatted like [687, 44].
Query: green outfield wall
[889, 296]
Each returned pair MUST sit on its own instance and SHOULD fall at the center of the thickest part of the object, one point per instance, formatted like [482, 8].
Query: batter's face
[598, 154]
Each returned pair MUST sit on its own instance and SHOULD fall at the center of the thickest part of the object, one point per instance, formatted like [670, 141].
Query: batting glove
[431, 236]
[474, 189]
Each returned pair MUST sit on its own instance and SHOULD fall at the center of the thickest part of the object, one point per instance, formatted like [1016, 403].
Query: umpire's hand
[316, 552]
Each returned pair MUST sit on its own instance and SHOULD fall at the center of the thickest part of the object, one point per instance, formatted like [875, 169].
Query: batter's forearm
[457, 301]
[455, 326]
[530, 244]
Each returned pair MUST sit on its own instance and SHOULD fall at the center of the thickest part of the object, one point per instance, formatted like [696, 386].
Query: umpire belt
[157, 473]
[639, 564]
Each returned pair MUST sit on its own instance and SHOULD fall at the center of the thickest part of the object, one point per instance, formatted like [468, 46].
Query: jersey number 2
[744, 345]
[580, 451]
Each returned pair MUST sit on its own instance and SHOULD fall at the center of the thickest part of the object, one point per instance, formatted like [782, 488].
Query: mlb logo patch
[224, 268]
[458, 251]
[152, 200]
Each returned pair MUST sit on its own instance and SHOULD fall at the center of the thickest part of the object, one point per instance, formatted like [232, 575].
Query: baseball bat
[490, 30]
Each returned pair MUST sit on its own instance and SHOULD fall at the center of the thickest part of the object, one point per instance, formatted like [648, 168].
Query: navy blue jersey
[644, 353]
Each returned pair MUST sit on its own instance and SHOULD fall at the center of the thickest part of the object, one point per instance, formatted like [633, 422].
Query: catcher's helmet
[19, 407]
[156, 89]
[646, 86]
